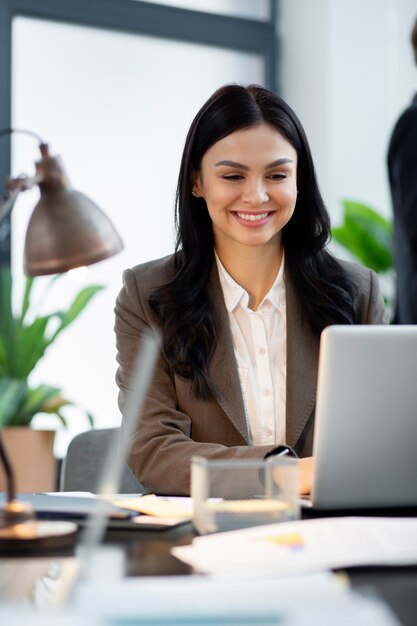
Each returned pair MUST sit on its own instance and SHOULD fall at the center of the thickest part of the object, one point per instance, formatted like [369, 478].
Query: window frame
[134, 17]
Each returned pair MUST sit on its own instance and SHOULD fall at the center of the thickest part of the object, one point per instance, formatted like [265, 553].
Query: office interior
[120, 119]
[113, 87]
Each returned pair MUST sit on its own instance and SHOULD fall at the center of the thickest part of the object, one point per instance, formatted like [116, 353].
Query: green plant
[367, 235]
[24, 338]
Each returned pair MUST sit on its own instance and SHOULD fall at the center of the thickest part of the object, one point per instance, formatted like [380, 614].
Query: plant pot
[32, 458]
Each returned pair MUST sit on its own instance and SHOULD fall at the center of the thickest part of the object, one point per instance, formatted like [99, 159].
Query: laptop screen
[366, 417]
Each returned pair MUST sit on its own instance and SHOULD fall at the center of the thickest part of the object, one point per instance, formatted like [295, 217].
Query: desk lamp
[66, 230]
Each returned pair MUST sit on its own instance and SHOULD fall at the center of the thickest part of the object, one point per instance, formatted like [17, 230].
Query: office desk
[147, 553]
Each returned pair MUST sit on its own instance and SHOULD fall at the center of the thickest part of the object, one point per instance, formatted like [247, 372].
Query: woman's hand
[306, 475]
[305, 467]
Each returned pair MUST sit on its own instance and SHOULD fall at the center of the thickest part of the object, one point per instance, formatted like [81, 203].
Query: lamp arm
[16, 185]
[7, 205]
[11, 489]
[22, 131]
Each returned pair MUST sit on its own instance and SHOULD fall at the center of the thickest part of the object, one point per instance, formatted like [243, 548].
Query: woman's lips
[254, 218]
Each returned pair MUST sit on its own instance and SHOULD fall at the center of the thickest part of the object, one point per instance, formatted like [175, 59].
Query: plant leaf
[30, 345]
[78, 305]
[36, 401]
[367, 235]
[12, 394]
[3, 357]
[90, 418]
[53, 406]
[61, 417]
[361, 211]
[26, 298]
[23, 345]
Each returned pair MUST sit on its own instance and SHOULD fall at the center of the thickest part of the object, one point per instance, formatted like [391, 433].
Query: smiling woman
[242, 302]
[249, 203]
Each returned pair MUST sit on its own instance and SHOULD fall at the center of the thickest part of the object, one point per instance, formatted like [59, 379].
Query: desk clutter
[254, 575]
[122, 511]
[303, 547]
[198, 601]
[194, 601]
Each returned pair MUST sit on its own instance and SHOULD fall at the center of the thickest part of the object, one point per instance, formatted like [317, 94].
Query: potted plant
[25, 336]
[367, 236]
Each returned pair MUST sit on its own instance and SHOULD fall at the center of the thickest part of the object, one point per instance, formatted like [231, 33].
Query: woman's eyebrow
[233, 164]
[241, 166]
[281, 161]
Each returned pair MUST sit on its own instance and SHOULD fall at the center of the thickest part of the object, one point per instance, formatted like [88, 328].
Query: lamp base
[16, 512]
[36, 536]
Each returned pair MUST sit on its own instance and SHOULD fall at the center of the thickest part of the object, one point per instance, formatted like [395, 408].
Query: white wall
[348, 72]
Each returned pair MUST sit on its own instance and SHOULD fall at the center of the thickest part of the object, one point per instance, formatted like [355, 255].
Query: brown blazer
[175, 425]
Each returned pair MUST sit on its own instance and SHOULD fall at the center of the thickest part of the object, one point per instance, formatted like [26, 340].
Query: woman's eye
[278, 176]
[233, 177]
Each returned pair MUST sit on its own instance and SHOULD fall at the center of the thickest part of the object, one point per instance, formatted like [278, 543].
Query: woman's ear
[196, 184]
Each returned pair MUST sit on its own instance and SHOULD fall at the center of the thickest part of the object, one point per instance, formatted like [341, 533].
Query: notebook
[74, 508]
[365, 440]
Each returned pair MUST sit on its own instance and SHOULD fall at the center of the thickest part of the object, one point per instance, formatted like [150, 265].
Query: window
[119, 122]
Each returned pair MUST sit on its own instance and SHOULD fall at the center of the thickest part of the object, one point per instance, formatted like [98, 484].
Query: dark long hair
[188, 319]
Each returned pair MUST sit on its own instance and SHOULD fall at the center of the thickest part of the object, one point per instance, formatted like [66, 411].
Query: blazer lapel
[302, 363]
[223, 370]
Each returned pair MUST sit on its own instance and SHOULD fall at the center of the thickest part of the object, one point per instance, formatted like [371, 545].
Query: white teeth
[251, 217]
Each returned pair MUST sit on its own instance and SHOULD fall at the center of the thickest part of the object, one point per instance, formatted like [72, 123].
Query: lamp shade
[66, 229]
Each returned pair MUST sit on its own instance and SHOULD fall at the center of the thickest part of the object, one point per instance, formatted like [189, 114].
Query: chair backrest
[83, 465]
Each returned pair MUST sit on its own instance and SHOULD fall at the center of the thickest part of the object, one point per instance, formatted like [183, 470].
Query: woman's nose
[255, 193]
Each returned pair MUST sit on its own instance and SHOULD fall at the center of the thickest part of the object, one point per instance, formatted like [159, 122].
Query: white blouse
[260, 344]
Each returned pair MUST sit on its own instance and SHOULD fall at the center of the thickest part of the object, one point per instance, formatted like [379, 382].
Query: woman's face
[249, 182]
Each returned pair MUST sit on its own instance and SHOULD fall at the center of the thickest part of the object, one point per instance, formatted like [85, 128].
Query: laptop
[365, 438]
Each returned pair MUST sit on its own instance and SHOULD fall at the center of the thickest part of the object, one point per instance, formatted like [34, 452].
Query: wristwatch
[281, 451]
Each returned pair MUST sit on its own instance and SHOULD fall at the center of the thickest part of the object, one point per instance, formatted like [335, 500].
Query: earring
[193, 193]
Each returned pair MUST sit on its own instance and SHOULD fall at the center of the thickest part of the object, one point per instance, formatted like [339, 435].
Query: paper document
[157, 506]
[304, 546]
[70, 494]
[314, 600]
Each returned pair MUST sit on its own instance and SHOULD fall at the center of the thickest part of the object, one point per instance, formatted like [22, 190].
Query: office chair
[82, 467]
